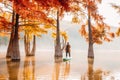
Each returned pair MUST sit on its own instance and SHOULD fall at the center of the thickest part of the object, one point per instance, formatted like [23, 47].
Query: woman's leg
[69, 54]
[66, 54]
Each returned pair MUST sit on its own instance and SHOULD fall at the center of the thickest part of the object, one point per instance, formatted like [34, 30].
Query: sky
[112, 18]
[110, 14]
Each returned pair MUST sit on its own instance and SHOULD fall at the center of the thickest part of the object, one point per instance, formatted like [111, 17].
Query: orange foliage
[33, 30]
[99, 34]
[3, 34]
[5, 27]
[83, 31]
[38, 9]
[4, 24]
[63, 34]
[75, 19]
[29, 10]
[118, 32]
[112, 35]
[100, 30]
[117, 7]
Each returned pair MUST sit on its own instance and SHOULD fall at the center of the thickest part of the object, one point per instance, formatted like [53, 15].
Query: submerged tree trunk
[27, 45]
[28, 51]
[9, 49]
[34, 46]
[58, 51]
[63, 45]
[16, 53]
[90, 48]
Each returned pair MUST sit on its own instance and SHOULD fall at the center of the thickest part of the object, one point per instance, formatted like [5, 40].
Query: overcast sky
[110, 14]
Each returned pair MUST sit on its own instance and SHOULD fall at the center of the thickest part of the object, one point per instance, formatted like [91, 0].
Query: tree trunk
[90, 48]
[63, 45]
[34, 46]
[27, 45]
[16, 53]
[58, 51]
[9, 49]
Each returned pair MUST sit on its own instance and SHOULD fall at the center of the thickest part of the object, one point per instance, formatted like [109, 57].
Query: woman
[67, 49]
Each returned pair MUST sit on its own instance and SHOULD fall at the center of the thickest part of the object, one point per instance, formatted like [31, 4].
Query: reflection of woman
[29, 68]
[13, 69]
[56, 71]
[67, 69]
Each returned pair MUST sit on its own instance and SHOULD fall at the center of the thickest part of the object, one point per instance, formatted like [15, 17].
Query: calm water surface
[43, 66]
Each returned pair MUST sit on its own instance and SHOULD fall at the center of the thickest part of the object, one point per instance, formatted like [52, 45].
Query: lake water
[43, 66]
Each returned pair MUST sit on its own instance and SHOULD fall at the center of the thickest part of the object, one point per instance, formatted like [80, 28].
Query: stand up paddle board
[67, 59]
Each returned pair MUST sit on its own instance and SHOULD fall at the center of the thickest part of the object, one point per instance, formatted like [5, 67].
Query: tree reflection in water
[90, 68]
[61, 71]
[94, 74]
[29, 68]
[13, 69]
[66, 69]
[56, 72]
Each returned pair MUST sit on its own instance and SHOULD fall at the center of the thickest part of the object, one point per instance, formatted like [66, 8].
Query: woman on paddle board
[67, 49]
